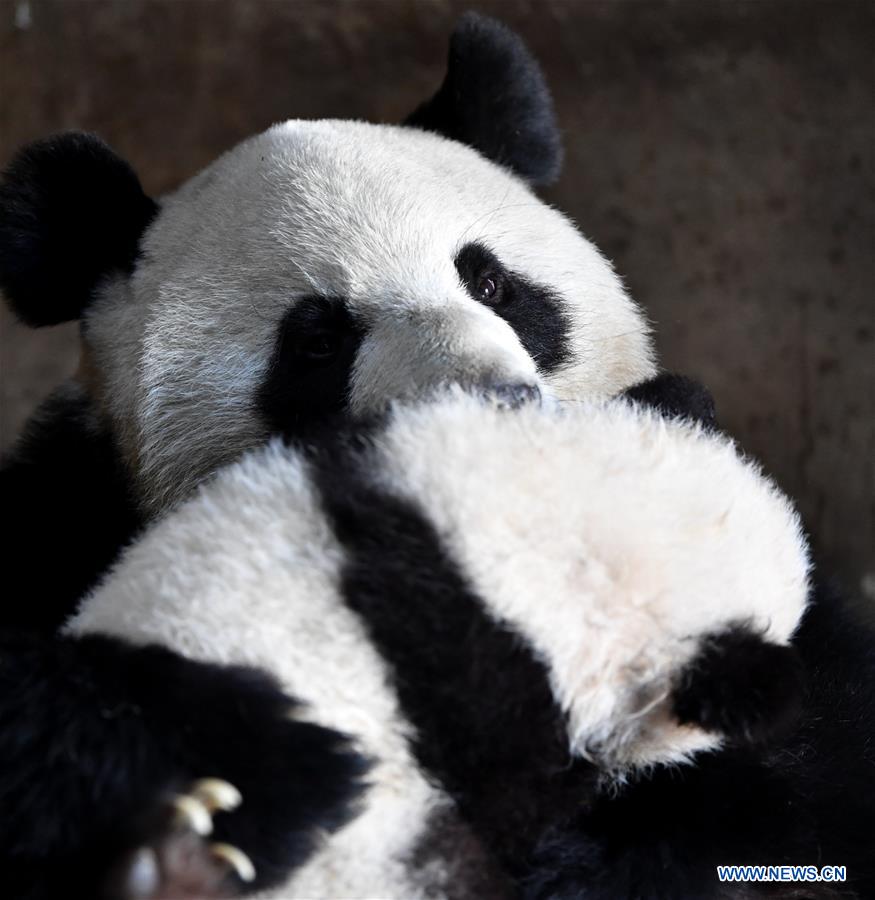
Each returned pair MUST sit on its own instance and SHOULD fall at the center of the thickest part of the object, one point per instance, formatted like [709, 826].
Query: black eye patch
[532, 310]
[307, 380]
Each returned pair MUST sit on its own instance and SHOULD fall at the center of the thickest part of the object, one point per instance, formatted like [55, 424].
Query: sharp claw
[236, 859]
[216, 794]
[191, 813]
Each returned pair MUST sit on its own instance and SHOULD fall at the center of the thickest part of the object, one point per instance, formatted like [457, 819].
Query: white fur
[371, 213]
[609, 539]
[613, 539]
[247, 573]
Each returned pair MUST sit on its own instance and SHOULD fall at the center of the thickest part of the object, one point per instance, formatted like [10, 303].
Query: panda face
[330, 266]
[320, 268]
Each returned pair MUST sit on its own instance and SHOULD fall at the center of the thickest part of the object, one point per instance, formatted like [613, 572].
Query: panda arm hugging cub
[327, 268]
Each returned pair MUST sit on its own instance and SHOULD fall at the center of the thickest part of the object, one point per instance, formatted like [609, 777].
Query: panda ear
[71, 211]
[494, 98]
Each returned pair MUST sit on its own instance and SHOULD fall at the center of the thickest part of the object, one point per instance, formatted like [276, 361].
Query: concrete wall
[722, 153]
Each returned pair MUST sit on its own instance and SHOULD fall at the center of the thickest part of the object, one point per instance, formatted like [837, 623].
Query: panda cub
[505, 612]
[319, 268]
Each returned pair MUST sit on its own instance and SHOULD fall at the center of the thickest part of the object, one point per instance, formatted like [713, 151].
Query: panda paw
[108, 733]
[178, 861]
[741, 686]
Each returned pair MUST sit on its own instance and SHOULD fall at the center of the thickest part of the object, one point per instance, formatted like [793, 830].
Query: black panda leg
[741, 686]
[662, 837]
[99, 740]
[68, 510]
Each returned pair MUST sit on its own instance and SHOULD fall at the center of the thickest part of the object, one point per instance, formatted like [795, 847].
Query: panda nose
[512, 396]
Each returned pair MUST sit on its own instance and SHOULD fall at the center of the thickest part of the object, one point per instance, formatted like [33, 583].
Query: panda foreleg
[99, 740]
[662, 835]
[68, 510]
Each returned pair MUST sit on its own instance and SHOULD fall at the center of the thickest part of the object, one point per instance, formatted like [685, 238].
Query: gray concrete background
[722, 153]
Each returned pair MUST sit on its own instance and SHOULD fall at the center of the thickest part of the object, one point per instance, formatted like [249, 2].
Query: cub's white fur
[247, 572]
[613, 539]
[374, 214]
[607, 538]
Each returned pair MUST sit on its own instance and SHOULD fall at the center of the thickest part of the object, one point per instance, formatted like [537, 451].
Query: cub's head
[321, 267]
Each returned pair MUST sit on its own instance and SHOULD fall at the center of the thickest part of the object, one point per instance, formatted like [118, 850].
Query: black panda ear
[495, 99]
[71, 211]
[676, 397]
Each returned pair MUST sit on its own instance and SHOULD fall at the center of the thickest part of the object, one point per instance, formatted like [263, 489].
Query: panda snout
[511, 395]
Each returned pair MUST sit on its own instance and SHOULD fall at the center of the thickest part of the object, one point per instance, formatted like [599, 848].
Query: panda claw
[190, 812]
[178, 862]
[235, 859]
[216, 795]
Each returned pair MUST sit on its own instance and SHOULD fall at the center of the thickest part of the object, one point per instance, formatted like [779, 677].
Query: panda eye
[486, 290]
[319, 347]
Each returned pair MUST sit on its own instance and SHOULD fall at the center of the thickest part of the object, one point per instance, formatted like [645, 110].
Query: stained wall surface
[721, 153]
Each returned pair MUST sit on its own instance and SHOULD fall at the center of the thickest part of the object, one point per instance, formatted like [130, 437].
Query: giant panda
[258, 298]
[321, 266]
[507, 613]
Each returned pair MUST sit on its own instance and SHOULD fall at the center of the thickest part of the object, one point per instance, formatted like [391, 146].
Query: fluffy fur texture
[71, 212]
[468, 628]
[96, 736]
[375, 216]
[277, 592]
[754, 701]
[676, 396]
[69, 507]
[808, 797]
[495, 99]
[625, 517]
[199, 346]
[355, 271]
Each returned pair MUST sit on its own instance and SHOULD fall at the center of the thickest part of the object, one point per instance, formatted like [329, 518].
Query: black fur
[487, 725]
[308, 376]
[806, 798]
[532, 310]
[71, 212]
[68, 510]
[662, 838]
[495, 99]
[95, 735]
[740, 686]
[676, 397]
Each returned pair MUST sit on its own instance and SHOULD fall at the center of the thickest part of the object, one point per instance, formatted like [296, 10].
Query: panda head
[321, 267]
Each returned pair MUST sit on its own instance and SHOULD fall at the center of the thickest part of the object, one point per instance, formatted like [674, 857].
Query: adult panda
[260, 296]
[321, 266]
[507, 612]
